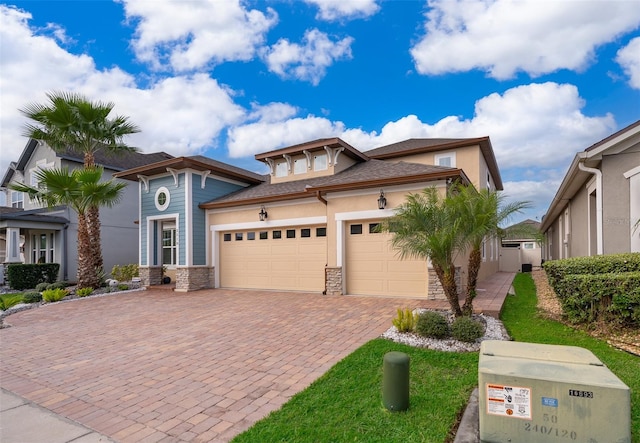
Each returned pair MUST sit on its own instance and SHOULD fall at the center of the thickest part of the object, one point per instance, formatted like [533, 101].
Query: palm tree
[482, 212]
[70, 121]
[427, 226]
[81, 190]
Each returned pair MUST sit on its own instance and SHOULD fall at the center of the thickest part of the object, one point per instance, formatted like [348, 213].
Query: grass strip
[345, 404]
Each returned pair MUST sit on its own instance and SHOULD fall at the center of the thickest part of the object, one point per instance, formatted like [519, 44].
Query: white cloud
[532, 125]
[536, 124]
[180, 115]
[629, 58]
[307, 62]
[503, 37]
[194, 34]
[539, 193]
[272, 112]
[263, 136]
[340, 9]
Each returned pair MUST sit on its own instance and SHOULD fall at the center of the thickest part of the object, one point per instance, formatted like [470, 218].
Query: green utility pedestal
[395, 381]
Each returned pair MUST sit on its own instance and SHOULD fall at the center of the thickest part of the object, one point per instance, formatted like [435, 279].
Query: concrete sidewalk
[22, 421]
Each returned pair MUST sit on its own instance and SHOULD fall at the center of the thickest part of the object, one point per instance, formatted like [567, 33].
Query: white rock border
[494, 330]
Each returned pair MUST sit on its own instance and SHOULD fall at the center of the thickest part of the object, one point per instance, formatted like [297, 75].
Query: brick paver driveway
[202, 366]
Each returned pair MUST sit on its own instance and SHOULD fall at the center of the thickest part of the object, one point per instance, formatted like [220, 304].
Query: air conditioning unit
[537, 393]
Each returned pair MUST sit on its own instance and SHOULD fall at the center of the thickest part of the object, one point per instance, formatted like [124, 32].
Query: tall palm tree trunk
[87, 277]
[475, 260]
[448, 282]
[93, 219]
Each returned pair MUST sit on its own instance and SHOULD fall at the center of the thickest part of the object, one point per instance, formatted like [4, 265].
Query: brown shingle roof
[417, 144]
[361, 175]
[421, 145]
[196, 162]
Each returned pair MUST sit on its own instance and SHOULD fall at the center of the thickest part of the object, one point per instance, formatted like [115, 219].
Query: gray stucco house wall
[598, 203]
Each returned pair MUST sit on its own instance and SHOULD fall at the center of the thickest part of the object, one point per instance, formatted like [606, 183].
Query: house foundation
[150, 275]
[194, 278]
[436, 291]
[333, 280]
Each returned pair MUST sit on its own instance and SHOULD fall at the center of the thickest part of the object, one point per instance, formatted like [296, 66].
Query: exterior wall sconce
[382, 201]
[262, 214]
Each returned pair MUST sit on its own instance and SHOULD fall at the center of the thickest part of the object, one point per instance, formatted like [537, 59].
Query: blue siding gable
[214, 188]
[151, 217]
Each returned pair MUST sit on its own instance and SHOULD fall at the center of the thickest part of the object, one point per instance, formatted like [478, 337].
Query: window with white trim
[529, 245]
[17, 199]
[169, 244]
[162, 198]
[320, 162]
[447, 159]
[281, 169]
[300, 166]
[42, 248]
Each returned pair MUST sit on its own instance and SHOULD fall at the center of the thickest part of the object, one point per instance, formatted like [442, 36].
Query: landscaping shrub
[613, 297]
[124, 272]
[431, 324]
[51, 295]
[42, 286]
[24, 276]
[58, 285]
[600, 264]
[32, 297]
[83, 292]
[9, 300]
[466, 329]
[405, 320]
[123, 287]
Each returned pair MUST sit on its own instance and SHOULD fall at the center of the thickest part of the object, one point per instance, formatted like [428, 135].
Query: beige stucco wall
[469, 159]
[343, 162]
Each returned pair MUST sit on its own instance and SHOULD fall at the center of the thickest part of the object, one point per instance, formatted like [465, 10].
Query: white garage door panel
[281, 264]
[373, 267]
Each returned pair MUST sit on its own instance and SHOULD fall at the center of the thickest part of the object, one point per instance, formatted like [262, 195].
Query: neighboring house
[598, 202]
[308, 225]
[520, 250]
[30, 233]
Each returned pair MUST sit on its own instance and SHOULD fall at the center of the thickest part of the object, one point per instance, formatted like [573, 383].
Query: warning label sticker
[509, 401]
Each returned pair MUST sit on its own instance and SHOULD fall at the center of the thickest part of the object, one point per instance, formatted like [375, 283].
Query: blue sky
[229, 79]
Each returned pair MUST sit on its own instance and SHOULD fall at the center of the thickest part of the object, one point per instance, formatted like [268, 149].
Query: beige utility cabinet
[548, 393]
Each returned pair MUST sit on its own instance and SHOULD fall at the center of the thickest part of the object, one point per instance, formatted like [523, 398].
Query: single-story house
[30, 233]
[309, 224]
[598, 203]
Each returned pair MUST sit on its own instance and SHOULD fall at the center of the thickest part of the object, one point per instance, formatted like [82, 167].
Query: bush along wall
[600, 264]
[26, 276]
[599, 288]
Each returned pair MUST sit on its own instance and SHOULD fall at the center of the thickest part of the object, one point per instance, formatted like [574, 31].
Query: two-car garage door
[295, 259]
[281, 259]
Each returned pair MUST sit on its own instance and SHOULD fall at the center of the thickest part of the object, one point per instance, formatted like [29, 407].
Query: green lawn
[345, 405]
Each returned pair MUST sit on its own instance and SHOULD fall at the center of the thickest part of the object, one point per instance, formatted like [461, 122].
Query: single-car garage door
[373, 267]
[283, 259]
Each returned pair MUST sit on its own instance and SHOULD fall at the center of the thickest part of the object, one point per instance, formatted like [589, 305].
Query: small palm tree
[482, 212]
[70, 121]
[427, 226]
[81, 190]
